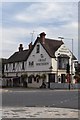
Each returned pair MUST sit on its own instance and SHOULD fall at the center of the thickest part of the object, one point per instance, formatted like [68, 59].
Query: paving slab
[39, 112]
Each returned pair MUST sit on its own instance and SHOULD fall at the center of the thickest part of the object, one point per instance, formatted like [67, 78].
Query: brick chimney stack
[42, 36]
[20, 47]
[30, 45]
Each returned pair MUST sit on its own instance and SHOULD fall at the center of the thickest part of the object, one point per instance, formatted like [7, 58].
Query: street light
[60, 37]
[72, 55]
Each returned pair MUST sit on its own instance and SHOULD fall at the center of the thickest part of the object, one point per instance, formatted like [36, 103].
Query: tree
[38, 76]
[43, 81]
[43, 76]
[77, 73]
[23, 78]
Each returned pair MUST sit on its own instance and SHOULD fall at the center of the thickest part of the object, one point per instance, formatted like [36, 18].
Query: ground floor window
[29, 79]
[37, 80]
[16, 81]
[51, 77]
[34, 79]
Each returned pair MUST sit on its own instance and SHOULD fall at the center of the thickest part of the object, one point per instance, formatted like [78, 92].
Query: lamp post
[57, 69]
[71, 57]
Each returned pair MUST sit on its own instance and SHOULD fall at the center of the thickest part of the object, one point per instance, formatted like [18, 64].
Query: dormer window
[38, 48]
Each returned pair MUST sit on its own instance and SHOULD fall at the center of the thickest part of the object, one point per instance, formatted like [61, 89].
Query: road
[40, 97]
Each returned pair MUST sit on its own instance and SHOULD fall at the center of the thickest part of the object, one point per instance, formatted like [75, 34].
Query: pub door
[62, 78]
[51, 78]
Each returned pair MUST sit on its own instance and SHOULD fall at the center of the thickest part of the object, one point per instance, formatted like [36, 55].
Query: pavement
[32, 90]
[38, 112]
[3, 90]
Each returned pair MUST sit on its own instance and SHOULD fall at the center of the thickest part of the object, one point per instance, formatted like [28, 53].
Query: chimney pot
[30, 45]
[42, 36]
[20, 47]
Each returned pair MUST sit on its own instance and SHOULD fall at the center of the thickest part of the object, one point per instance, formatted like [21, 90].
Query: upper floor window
[62, 63]
[13, 66]
[31, 63]
[23, 65]
[38, 48]
[6, 66]
[30, 79]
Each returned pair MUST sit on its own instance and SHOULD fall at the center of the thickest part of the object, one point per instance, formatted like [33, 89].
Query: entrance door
[51, 79]
[62, 78]
[16, 81]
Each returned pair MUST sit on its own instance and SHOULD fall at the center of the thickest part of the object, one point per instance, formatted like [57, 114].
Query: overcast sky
[20, 19]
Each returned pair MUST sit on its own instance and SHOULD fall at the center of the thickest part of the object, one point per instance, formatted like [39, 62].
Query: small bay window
[62, 62]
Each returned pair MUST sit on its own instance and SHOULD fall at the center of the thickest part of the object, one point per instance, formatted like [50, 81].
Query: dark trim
[38, 71]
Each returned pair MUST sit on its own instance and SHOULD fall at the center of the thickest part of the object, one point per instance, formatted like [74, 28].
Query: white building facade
[44, 62]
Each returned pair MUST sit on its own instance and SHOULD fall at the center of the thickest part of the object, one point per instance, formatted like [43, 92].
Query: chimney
[30, 45]
[20, 47]
[42, 36]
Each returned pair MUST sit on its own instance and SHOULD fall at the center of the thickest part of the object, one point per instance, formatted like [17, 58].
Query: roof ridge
[54, 39]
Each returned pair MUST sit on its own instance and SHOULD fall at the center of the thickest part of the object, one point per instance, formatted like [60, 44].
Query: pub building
[44, 62]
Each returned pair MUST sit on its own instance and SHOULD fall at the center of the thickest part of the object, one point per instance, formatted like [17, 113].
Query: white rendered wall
[36, 58]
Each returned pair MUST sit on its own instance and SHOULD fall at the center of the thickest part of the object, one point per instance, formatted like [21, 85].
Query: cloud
[41, 1]
[0, 42]
[11, 38]
[56, 19]
[39, 12]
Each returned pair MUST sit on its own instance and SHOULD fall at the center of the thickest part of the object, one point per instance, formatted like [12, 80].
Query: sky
[20, 19]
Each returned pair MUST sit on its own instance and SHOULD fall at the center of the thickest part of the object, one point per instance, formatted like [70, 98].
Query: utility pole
[72, 62]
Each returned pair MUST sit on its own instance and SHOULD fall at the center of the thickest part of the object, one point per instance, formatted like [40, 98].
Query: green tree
[23, 79]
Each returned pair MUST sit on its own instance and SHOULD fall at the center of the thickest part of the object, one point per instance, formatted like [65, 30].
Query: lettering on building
[42, 62]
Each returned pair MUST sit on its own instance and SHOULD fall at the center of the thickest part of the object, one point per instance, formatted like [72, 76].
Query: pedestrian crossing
[38, 112]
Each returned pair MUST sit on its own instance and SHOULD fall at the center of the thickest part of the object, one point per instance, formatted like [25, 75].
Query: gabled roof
[51, 46]
[19, 56]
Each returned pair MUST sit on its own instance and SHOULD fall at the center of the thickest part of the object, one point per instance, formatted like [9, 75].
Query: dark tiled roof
[19, 56]
[51, 46]
[3, 60]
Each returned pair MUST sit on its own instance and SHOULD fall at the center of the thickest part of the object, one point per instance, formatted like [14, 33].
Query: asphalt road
[53, 98]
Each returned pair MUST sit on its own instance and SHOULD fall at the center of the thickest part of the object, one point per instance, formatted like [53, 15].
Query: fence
[64, 86]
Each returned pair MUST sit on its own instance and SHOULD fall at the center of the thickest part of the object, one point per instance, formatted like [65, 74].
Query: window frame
[13, 66]
[23, 65]
[62, 61]
[6, 67]
[38, 48]
[31, 63]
